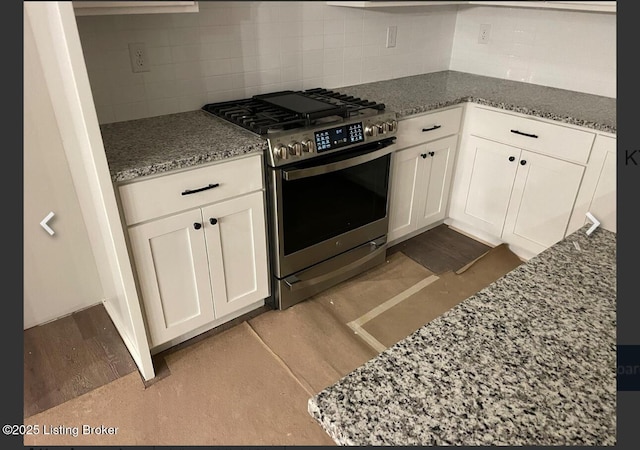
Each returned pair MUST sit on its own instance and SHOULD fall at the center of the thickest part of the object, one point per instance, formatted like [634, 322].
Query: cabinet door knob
[213, 221]
[512, 158]
[424, 155]
[523, 162]
[431, 153]
[197, 225]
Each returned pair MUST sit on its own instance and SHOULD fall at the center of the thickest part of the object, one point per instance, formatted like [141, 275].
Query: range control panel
[292, 146]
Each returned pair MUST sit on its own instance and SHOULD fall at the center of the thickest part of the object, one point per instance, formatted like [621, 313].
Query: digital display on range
[338, 137]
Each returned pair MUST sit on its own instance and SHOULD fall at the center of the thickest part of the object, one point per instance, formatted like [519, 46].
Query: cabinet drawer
[549, 139]
[428, 127]
[145, 200]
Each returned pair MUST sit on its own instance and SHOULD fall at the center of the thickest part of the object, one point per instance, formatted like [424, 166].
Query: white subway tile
[219, 83]
[333, 27]
[159, 55]
[184, 36]
[161, 89]
[333, 40]
[291, 73]
[312, 42]
[190, 70]
[160, 107]
[105, 114]
[157, 74]
[185, 88]
[312, 27]
[244, 64]
[130, 111]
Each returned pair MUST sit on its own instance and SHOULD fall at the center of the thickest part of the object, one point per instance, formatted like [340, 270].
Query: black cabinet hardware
[524, 134]
[424, 155]
[435, 127]
[431, 153]
[512, 158]
[213, 221]
[197, 225]
[193, 191]
[523, 162]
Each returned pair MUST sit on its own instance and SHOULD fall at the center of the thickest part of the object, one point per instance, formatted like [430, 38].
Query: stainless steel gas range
[328, 168]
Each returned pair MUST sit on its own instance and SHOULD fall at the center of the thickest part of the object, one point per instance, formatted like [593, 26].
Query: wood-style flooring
[441, 249]
[70, 356]
[75, 354]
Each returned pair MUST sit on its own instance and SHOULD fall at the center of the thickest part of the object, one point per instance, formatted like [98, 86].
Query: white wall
[232, 50]
[60, 272]
[564, 49]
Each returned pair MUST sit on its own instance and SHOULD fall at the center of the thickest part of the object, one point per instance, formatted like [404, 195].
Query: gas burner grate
[288, 110]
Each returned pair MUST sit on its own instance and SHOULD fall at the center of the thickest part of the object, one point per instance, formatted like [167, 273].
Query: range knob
[393, 125]
[281, 152]
[383, 127]
[295, 148]
[371, 130]
[308, 146]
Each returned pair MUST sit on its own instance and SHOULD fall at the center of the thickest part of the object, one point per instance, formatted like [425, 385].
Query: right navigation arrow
[594, 221]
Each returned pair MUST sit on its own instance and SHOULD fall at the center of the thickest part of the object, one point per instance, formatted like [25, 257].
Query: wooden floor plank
[441, 249]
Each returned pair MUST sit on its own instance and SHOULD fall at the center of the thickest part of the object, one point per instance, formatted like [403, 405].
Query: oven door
[329, 205]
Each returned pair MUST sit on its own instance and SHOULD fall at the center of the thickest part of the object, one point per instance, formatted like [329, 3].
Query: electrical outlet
[139, 59]
[483, 36]
[392, 32]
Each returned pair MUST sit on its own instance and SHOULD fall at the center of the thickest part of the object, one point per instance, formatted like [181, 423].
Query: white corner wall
[573, 50]
[231, 50]
[60, 272]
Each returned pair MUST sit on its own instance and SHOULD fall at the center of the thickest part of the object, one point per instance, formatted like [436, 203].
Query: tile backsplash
[232, 50]
[573, 50]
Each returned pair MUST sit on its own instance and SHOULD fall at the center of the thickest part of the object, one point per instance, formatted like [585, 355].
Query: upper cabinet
[598, 6]
[102, 8]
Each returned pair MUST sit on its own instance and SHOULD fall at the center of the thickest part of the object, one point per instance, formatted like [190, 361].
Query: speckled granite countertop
[159, 144]
[529, 360]
[422, 93]
[142, 147]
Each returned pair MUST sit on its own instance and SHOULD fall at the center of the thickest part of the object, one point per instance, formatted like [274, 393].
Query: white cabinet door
[171, 264]
[488, 181]
[436, 175]
[597, 193]
[542, 199]
[402, 199]
[420, 184]
[235, 233]
[603, 205]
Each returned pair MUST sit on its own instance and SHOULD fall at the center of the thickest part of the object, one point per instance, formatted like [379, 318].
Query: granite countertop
[158, 144]
[142, 147]
[421, 93]
[529, 360]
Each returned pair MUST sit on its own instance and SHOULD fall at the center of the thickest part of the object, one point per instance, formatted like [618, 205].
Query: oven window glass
[324, 206]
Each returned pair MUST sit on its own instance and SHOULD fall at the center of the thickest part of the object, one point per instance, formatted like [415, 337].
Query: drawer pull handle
[524, 134]
[193, 191]
[523, 162]
[213, 221]
[197, 225]
[424, 155]
[512, 158]
[431, 153]
[435, 127]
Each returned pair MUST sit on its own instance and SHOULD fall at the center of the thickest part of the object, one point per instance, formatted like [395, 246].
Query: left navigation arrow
[44, 225]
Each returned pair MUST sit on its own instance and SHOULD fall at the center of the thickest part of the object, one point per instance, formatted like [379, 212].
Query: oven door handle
[297, 174]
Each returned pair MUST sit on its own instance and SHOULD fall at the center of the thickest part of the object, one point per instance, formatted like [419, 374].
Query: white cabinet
[597, 194]
[140, 7]
[200, 266]
[522, 196]
[421, 174]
